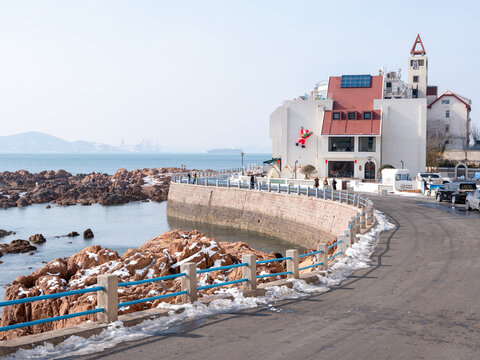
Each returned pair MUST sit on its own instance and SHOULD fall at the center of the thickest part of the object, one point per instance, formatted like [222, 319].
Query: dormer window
[367, 115]
[352, 115]
[336, 116]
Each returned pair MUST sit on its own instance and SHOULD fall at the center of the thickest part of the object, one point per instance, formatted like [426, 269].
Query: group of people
[316, 183]
[189, 177]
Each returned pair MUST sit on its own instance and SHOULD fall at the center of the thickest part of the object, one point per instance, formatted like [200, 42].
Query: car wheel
[454, 200]
[439, 198]
[467, 205]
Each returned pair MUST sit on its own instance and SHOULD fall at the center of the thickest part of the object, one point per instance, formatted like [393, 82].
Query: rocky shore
[157, 257]
[22, 188]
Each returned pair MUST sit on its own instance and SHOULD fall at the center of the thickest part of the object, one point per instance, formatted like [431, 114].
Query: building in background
[358, 123]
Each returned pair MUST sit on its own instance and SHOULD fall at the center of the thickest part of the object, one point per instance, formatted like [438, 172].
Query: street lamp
[242, 154]
[401, 162]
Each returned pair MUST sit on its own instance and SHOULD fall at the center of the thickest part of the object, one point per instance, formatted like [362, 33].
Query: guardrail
[107, 285]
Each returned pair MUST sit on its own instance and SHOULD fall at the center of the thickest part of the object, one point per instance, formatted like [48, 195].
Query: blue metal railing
[221, 284]
[334, 256]
[167, 277]
[310, 253]
[310, 266]
[46, 297]
[133, 302]
[274, 274]
[334, 244]
[227, 267]
[273, 260]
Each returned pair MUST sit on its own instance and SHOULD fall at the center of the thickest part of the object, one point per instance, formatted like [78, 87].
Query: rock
[31, 253]
[74, 233]
[113, 199]
[22, 202]
[4, 233]
[88, 234]
[48, 206]
[37, 239]
[1, 262]
[17, 246]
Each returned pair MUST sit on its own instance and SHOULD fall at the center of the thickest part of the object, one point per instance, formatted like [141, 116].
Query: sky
[197, 75]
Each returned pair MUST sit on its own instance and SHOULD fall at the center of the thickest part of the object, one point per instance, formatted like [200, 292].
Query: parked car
[431, 178]
[473, 200]
[456, 192]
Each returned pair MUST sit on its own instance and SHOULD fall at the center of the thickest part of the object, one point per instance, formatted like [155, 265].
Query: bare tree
[436, 141]
[307, 170]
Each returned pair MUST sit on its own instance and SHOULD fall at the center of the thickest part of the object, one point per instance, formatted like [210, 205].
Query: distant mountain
[37, 142]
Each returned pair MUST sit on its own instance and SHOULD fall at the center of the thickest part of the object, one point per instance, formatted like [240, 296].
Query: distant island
[227, 151]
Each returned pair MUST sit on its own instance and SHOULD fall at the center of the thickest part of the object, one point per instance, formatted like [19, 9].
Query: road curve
[420, 299]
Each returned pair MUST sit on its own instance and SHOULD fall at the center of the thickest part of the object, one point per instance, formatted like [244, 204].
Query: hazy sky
[196, 75]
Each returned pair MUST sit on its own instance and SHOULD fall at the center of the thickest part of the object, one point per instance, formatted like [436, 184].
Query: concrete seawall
[298, 219]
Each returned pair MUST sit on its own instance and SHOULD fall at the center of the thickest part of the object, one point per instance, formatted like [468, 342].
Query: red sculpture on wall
[304, 135]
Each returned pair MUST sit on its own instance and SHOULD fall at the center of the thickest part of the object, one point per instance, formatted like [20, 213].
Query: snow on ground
[358, 257]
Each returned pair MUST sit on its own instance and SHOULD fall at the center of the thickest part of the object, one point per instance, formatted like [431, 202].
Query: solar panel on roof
[356, 81]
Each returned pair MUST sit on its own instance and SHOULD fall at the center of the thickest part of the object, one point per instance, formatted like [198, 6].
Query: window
[420, 62]
[367, 144]
[446, 142]
[447, 113]
[415, 93]
[447, 128]
[340, 143]
[415, 79]
[388, 84]
[445, 101]
[367, 115]
[336, 116]
[352, 116]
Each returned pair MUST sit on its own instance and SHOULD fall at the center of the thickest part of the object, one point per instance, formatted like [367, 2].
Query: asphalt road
[419, 300]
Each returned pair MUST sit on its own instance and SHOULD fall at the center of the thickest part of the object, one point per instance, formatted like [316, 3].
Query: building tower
[418, 70]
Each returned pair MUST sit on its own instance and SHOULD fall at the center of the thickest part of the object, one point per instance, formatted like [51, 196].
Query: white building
[361, 122]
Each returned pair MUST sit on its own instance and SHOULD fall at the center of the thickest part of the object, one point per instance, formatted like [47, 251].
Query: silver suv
[473, 200]
[431, 178]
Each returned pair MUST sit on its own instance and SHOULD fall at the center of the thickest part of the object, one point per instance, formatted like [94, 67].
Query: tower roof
[418, 40]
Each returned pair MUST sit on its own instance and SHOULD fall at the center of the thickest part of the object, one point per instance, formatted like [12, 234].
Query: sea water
[109, 163]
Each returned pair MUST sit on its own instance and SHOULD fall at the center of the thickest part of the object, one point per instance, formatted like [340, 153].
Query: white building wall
[458, 121]
[403, 132]
[285, 124]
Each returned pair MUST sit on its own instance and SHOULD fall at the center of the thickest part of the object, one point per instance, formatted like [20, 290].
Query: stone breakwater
[297, 219]
[22, 188]
[160, 256]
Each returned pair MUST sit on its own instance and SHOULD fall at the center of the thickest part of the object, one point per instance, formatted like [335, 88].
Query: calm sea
[109, 163]
[116, 227]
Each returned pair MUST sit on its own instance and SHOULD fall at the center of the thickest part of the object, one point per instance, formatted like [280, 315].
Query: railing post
[108, 298]
[363, 218]
[250, 272]
[292, 265]
[189, 282]
[228, 183]
[279, 188]
[324, 194]
[217, 183]
[322, 257]
[288, 189]
[269, 187]
[343, 245]
[357, 224]
[298, 189]
[239, 182]
[316, 192]
[351, 226]
[348, 198]
[348, 238]
[333, 191]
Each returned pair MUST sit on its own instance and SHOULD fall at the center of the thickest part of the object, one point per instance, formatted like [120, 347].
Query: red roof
[353, 99]
[449, 93]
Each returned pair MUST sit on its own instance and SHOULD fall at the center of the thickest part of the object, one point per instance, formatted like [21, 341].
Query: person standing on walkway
[194, 178]
[189, 177]
[334, 184]
[252, 182]
[316, 183]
